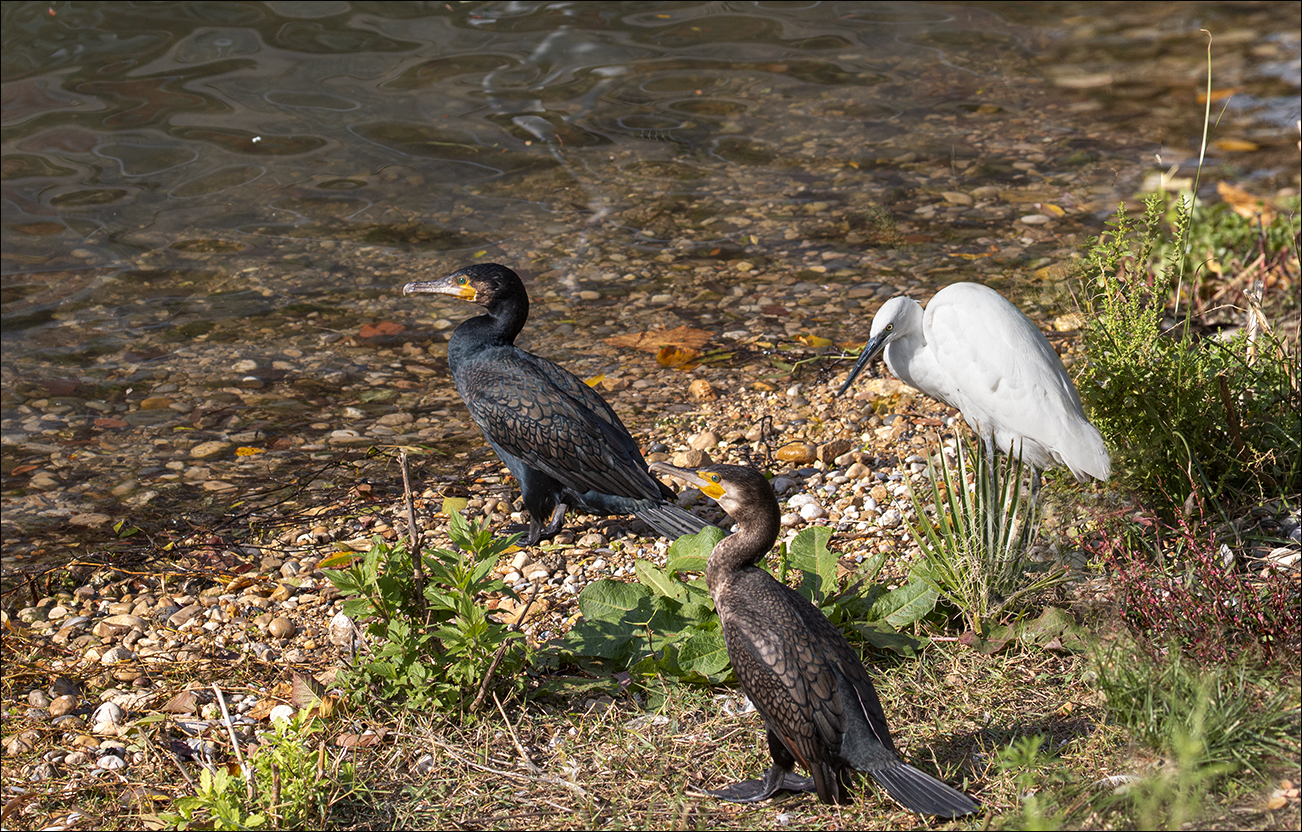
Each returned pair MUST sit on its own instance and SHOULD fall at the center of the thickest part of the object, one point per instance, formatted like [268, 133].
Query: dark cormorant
[818, 704]
[561, 441]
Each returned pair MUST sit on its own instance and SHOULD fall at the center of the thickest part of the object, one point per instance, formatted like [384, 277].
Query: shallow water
[197, 184]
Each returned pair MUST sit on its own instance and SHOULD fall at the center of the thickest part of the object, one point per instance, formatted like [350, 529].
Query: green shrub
[432, 649]
[1185, 411]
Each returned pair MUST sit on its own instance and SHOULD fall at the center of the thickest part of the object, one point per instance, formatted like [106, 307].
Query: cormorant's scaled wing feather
[853, 683]
[786, 675]
[555, 423]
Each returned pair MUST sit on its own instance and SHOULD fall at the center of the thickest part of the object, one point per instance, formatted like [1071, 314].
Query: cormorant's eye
[461, 280]
[714, 478]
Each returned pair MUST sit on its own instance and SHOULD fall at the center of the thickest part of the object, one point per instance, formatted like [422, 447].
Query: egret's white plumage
[975, 351]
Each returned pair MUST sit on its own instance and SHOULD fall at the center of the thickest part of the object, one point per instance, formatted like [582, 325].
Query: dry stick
[545, 778]
[501, 651]
[245, 769]
[417, 576]
[1231, 413]
[510, 729]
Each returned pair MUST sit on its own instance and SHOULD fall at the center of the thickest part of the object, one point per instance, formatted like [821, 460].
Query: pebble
[281, 627]
[63, 705]
[111, 762]
[797, 452]
[212, 448]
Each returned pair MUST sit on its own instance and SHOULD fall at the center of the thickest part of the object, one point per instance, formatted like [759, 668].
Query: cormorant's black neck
[758, 519]
[505, 318]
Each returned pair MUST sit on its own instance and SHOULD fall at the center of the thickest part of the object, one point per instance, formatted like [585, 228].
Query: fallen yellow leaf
[454, 504]
[815, 341]
[595, 380]
[1217, 95]
[1245, 204]
[1235, 145]
[678, 358]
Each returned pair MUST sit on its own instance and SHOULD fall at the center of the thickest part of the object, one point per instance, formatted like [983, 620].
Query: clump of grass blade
[975, 550]
[1227, 717]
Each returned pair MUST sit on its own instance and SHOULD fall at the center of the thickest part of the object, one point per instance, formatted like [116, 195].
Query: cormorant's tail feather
[670, 520]
[922, 793]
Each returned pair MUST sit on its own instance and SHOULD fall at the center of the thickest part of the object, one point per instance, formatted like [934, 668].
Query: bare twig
[417, 574]
[501, 651]
[510, 729]
[245, 768]
[530, 778]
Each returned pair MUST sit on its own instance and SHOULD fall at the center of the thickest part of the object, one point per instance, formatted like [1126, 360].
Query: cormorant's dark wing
[785, 675]
[548, 418]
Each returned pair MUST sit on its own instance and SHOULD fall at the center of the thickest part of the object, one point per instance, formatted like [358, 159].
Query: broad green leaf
[691, 552]
[809, 554]
[658, 580]
[610, 600]
[905, 605]
[705, 653]
[884, 637]
[869, 568]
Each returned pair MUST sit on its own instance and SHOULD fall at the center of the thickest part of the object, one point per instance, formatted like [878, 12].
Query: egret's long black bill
[870, 351]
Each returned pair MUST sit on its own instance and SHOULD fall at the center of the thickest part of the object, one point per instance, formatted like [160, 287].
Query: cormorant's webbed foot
[775, 780]
[535, 531]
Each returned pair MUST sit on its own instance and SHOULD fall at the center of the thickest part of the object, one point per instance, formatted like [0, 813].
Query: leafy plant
[1185, 411]
[289, 790]
[435, 648]
[974, 551]
[666, 623]
[221, 803]
[1177, 582]
[1030, 768]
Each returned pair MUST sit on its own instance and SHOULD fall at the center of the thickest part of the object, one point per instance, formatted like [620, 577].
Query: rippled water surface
[198, 173]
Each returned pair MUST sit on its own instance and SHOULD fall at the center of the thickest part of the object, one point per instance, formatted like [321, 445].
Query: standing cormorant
[975, 351]
[818, 704]
[561, 441]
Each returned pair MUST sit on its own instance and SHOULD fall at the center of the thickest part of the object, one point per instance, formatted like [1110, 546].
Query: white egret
[975, 351]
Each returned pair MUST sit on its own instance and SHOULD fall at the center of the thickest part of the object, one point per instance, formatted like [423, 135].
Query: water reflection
[246, 127]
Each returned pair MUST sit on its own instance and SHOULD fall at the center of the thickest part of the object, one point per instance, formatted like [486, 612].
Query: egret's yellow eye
[889, 327]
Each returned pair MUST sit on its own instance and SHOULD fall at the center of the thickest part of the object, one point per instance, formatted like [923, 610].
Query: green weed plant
[1226, 716]
[289, 788]
[432, 650]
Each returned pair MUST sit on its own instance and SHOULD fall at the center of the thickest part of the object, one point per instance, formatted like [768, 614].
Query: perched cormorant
[818, 704]
[561, 441]
[975, 351]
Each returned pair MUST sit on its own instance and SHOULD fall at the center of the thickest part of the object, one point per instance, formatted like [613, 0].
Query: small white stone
[107, 714]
